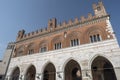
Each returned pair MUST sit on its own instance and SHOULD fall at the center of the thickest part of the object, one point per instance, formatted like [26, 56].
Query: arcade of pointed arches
[101, 69]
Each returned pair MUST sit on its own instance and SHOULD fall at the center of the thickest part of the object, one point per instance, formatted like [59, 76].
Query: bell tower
[99, 9]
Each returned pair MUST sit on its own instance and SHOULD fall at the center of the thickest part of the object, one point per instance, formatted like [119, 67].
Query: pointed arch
[43, 46]
[49, 71]
[73, 38]
[95, 56]
[74, 34]
[95, 33]
[15, 73]
[58, 42]
[102, 69]
[66, 61]
[30, 73]
[72, 70]
[30, 48]
[20, 50]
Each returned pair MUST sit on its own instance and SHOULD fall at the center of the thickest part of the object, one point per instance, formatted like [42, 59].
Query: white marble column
[60, 75]
[117, 72]
[8, 78]
[86, 75]
[21, 77]
[38, 76]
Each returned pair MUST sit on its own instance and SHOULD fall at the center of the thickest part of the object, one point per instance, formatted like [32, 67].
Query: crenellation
[99, 12]
[76, 20]
[70, 22]
[28, 34]
[36, 31]
[82, 18]
[41, 30]
[45, 29]
[32, 33]
[64, 23]
[58, 25]
[90, 16]
[24, 36]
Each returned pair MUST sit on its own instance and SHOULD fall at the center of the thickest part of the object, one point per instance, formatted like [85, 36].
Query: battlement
[76, 21]
[99, 11]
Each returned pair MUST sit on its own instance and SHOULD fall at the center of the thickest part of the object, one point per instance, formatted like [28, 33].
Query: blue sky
[34, 14]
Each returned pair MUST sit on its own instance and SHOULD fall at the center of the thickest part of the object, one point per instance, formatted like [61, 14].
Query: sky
[31, 15]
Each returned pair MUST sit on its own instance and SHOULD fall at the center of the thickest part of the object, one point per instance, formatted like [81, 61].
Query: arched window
[49, 72]
[20, 51]
[43, 49]
[72, 71]
[74, 42]
[95, 34]
[74, 38]
[31, 49]
[15, 74]
[43, 46]
[58, 45]
[57, 42]
[31, 72]
[102, 69]
[95, 38]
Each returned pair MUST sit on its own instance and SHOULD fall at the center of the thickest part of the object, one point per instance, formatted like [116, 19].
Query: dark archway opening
[30, 75]
[72, 71]
[15, 74]
[49, 72]
[102, 69]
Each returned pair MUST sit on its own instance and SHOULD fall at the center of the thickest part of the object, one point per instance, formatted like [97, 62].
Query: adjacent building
[6, 60]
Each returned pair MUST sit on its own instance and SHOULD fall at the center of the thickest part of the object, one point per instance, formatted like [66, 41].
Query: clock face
[98, 8]
[95, 10]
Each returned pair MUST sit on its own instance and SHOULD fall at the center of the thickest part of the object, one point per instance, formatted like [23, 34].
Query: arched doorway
[102, 69]
[15, 74]
[31, 72]
[49, 72]
[72, 71]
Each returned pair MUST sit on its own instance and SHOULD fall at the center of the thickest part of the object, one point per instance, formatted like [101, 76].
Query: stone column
[21, 77]
[38, 76]
[7, 78]
[86, 75]
[117, 72]
[60, 75]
